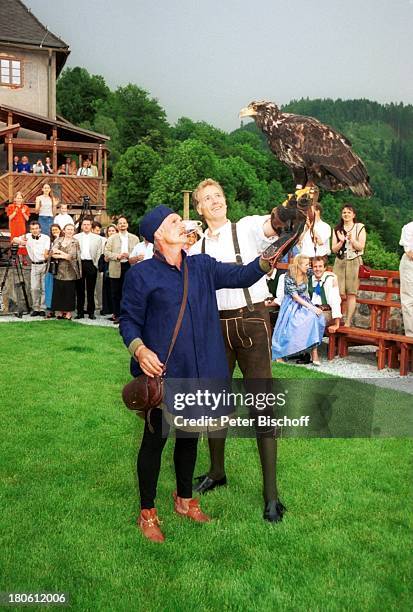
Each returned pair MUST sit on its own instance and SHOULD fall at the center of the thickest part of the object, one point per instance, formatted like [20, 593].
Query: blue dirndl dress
[297, 328]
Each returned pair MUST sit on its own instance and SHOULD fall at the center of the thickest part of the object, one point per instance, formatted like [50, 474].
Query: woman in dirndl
[300, 325]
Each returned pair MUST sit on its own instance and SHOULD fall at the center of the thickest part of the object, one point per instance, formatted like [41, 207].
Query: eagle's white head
[262, 112]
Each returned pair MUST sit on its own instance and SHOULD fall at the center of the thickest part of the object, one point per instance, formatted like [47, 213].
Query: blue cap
[152, 220]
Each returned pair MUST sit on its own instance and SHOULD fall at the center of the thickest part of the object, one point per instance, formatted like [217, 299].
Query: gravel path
[360, 364]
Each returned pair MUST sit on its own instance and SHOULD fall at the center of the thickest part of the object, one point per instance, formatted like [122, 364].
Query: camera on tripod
[14, 249]
[86, 201]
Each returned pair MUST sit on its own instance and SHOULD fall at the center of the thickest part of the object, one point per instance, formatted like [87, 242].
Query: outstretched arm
[232, 276]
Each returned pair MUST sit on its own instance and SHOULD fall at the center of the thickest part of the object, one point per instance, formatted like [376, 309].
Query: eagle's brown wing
[327, 155]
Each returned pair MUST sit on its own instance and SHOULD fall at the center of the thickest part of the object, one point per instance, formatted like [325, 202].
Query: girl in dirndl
[300, 324]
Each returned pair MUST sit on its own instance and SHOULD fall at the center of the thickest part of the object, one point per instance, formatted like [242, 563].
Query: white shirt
[63, 220]
[142, 249]
[36, 248]
[323, 230]
[84, 172]
[279, 293]
[332, 294]
[84, 241]
[406, 239]
[124, 244]
[252, 242]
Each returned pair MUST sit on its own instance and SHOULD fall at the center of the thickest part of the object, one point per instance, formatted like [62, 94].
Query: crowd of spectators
[84, 272]
[42, 167]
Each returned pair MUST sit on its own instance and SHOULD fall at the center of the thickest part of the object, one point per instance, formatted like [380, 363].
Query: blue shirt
[24, 167]
[152, 296]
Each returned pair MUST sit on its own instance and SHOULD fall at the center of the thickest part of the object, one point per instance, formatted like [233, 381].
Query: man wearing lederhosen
[245, 325]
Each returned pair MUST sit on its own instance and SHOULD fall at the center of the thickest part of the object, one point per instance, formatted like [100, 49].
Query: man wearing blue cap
[152, 297]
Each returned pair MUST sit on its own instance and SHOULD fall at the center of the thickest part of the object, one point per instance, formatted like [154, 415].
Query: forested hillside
[152, 161]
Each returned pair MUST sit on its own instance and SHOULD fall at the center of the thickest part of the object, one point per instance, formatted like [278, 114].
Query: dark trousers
[88, 280]
[116, 286]
[149, 459]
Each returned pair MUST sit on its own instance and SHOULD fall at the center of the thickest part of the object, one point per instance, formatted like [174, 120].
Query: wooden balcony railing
[69, 189]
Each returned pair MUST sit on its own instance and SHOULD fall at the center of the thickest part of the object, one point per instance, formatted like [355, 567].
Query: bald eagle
[314, 152]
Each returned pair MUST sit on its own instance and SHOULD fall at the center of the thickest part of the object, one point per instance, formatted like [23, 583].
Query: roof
[43, 125]
[19, 26]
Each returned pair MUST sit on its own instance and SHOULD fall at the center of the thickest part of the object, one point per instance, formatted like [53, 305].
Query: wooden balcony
[55, 139]
[69, 189]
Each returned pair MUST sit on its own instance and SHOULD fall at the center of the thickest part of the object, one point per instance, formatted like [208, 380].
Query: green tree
[188, 163]
[138, 117]
[129, 187]
[78, 94]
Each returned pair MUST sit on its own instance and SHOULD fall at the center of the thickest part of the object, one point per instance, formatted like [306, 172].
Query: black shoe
[34, 313]
[80, 316]
[92, 316]
[304, 360]
[41, 313]
[205, 484]
[274, 511]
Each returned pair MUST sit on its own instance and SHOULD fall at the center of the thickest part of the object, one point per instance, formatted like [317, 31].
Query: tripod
[14, 263]
[85, 212]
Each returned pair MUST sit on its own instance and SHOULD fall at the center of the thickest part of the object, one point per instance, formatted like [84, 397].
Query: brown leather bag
[144, 392]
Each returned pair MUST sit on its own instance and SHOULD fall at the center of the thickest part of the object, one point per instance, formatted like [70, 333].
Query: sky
[206, 60]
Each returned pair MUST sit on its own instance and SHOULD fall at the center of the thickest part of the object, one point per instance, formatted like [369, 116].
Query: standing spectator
[48, 168]
[63, 217]
[90, 251]
[38, 246]
[300, 324]
[46, 208]
[24, 166]
[85, 169]
[16, 161]
[49, 278]
[72, 168]
[117, 251]
[93, 168]
[406, 278]
[96, 229]
[143, 250]
[67, 250]
[18, 214]
[107, 307]
[315, 240]
[38, 167]
[62, 169]
[349, 240]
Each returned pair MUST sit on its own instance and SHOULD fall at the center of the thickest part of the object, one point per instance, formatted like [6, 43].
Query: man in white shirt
[315, 239]
[91, 248]
[63, 218]
[245, 324]
[37, 245]
[141, 252]
[406, 278]
[117, 251]
[85, 170]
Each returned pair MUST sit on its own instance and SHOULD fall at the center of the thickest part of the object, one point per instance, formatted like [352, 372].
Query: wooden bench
[394, 349]
[380, 309]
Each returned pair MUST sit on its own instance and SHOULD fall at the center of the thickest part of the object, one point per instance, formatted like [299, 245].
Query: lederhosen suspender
[322, 290]
[238, 261]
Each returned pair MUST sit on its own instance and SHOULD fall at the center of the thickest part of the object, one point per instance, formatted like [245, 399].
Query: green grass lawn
[69, 499]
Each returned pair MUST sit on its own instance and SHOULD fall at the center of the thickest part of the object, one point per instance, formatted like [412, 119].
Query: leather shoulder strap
[180, 315]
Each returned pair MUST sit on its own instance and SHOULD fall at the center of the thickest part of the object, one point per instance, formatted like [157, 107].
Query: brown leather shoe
[190, 508]
[148, 522]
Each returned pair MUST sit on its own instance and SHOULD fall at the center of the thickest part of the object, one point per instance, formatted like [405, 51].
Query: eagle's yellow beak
[248, 111]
